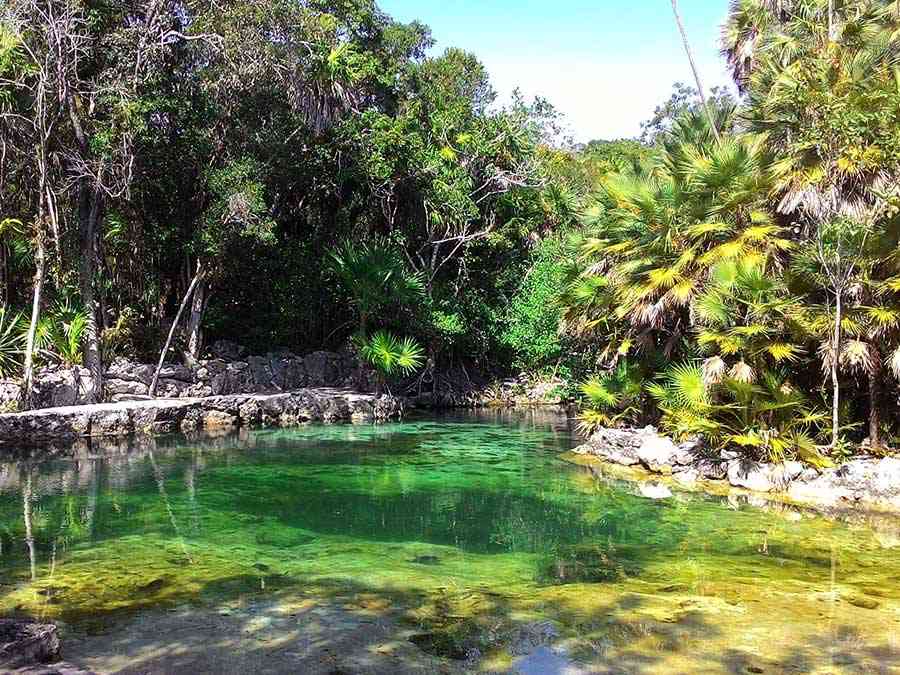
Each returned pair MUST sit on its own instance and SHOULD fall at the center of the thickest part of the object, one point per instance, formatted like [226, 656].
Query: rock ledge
[49, 426]
[866, 482]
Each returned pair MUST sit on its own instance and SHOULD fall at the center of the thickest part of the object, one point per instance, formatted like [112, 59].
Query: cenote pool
[456, 544]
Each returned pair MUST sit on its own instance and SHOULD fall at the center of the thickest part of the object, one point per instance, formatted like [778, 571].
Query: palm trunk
[198, 276]
[835, 383]
[195, 320]
[89, 214]
[40, 264]
[831, 26]
[690, 55]
[875, 406]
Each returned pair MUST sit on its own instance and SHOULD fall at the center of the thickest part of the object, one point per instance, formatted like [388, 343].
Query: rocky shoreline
[65, 426]
[867, 482]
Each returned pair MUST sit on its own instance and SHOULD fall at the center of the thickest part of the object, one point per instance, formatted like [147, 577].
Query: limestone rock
[123, 369]
[687, 476]
[218, 419]
[105, 422]
[60, 387]
[227, 350]
[116, 387]
[762, 477]
[177, 372]
[10, 395]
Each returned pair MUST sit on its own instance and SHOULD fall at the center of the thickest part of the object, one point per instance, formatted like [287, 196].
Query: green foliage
[768, 419]
[391, 355]
[375, 276]
[531, 331]
[61, 333]
[12, 342]
[612, 399]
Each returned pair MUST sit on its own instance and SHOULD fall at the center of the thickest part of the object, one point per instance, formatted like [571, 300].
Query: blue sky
[604, 63]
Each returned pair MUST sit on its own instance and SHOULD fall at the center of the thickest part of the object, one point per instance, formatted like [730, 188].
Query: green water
[462, 534]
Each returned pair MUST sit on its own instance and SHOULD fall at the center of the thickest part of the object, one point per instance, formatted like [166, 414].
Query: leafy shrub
[612, 399]
[391, 355]
[531, 332]
[12, 341]
[768, 419]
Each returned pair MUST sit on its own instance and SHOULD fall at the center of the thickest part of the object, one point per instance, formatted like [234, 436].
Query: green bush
[531, 332]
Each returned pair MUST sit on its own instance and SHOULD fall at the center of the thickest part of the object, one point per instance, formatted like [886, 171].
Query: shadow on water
[424, 547]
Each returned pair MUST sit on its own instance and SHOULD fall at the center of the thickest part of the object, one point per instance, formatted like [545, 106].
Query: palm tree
[376, 275]
[821, 86]
[658, 238]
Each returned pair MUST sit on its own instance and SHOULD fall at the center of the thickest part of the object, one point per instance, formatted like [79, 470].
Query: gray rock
[26, 643]
[218, 419]
[762, 477]
[123, 369]
[261, 376]
[105, 422]
[711, 469]
[619, 446]
[10, 395]
[176, 372]
[117, 387]
[661, 455]
[288, 372]
[323, 368]
[227, 350]
[60, 387]
[168, 388]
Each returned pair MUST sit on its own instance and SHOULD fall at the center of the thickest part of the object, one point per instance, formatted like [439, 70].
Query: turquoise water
[461, 532]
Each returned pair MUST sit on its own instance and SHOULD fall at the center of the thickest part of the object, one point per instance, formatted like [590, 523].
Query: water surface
[435, 545]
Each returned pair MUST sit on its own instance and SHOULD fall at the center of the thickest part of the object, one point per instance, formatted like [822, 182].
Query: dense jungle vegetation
[312, 174]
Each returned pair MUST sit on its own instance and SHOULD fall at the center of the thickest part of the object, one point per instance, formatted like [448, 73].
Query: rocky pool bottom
[452, 544]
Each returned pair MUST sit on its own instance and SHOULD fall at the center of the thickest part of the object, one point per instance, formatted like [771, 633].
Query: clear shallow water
[467, 540]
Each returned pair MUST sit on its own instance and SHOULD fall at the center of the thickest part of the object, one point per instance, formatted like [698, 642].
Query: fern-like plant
[766, 419]
[12, 342]
[611, 399]
[391, 355]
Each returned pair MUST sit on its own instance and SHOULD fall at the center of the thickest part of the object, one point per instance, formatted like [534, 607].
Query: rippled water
[459, 543]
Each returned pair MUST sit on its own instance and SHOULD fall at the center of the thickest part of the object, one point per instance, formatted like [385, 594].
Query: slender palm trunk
[690, 55]
[40, 264]
[875, 406]
[89, 215]
[198, 276]
[835, 382]
[195, 321]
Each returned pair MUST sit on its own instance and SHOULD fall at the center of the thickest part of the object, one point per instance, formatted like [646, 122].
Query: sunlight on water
[467, 537]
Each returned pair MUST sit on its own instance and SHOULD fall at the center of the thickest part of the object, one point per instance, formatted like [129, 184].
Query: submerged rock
[589, 564]
[654, 491]
[26, 643]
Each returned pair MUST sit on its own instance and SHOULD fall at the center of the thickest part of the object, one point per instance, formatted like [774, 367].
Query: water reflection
[465, 523]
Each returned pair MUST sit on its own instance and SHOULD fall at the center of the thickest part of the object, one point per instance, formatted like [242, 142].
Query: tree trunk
[40, 264]
[875, 406]
[89, 214]
[835, 359]
[690, 55]
[198, 276]
[832, 36]
[195, 320]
